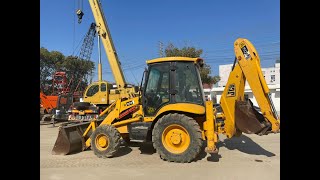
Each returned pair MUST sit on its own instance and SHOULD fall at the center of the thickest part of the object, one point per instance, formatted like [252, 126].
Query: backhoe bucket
[70, 139]
[249, 120]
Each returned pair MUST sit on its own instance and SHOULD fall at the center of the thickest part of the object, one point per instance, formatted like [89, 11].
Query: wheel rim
[102, 142]
[175, 139]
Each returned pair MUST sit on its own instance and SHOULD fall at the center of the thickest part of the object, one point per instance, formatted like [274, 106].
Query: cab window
[92, 90]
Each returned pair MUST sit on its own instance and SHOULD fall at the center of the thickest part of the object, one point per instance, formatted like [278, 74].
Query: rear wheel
[105, 141]
[177, 137]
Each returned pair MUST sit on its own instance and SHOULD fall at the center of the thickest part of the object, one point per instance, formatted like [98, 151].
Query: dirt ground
[249, 157]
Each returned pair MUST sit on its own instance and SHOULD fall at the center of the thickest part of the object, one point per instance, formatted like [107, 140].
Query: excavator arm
[238, 112]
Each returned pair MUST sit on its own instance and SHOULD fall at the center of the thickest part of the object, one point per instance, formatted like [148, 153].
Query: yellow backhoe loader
[171, 111]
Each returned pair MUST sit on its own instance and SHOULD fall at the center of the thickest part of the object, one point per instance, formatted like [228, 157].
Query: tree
[205, 77]
[205, 71]
[76, 69]
[192, 52]
[49, 63]
[278, 60]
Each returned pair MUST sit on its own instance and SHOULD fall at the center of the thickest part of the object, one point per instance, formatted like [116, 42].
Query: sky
[138, 26]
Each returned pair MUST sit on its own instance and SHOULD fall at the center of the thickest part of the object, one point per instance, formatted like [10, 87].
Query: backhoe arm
[239, 114]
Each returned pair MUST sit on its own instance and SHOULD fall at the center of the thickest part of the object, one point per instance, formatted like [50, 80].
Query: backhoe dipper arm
[104, 33]
[247, 68]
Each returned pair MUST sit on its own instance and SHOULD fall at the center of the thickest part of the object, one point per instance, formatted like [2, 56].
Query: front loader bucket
[248, 119]
[70, 139]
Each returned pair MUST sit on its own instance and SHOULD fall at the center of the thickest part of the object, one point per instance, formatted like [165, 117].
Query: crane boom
[104, 33]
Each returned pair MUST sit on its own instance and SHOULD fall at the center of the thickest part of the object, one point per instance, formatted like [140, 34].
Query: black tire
[81, 105]
[192, 128]
[113, 136]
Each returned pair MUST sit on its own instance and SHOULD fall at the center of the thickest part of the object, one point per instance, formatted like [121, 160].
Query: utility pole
[161, 49]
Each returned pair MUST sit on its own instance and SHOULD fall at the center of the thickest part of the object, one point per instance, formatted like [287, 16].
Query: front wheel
[105, 141]
[177, 138]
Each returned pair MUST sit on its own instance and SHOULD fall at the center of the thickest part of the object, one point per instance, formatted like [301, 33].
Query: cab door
[156, 88]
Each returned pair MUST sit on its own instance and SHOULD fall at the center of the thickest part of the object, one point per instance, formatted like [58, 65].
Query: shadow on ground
[123, 150]
[145, 148]
[245, 145]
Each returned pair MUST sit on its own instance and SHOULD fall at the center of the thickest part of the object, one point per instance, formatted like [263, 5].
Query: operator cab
[98, 92]
[172, 80]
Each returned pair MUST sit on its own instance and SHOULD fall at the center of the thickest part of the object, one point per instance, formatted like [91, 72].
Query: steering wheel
[158, 100]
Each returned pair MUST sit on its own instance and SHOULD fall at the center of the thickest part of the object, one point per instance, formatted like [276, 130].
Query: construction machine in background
[49, 103]
[56, 104]
[101, 94]
[66, 91]
[171, 111]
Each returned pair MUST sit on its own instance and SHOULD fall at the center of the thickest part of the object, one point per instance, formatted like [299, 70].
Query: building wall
[272, 71]
[224, 71]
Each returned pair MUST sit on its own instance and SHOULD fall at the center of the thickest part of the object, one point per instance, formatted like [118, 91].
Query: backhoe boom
[239, 114]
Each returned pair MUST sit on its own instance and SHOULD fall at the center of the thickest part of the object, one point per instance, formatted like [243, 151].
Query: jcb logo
[245, 50]
[129, 103]
[231, 90]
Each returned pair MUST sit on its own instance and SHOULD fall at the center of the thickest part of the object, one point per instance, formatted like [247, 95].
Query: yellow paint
[102, 142]
[96, 98]
[183, 107]
[116, 108]
[123, 129]
[99, 72]
[91, 126]
[126, 122]
[209, 127]
[227, 103]
[166, 59]
[82, 112]
[175, 139]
